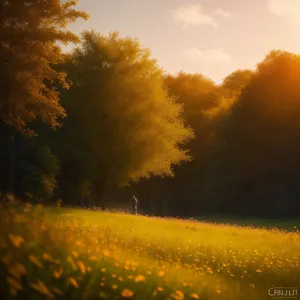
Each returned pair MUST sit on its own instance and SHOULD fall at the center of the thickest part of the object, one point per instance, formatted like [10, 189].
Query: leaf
[8, 259]
[16, 240]
[17, 271]
[57, 274]
[47, 257]
[81, 267]
[71, 261]
[35, 261]
[57, 291]
[42, 289]
[14, 283]
[74, 282]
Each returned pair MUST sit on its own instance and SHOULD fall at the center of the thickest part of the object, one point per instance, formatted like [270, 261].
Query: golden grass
[78, 254]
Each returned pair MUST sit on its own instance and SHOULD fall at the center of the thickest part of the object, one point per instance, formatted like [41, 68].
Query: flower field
[58, 253]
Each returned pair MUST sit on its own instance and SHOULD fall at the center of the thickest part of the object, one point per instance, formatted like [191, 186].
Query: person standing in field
[134, 204]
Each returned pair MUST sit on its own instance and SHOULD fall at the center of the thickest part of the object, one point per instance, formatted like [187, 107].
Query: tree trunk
[11, 161]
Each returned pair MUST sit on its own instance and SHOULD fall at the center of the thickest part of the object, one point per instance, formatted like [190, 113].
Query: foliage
[197, 94]
[257, 153]
[38, 174]
[122, 126]
[204, 108]
[30, 31]
[235, 82]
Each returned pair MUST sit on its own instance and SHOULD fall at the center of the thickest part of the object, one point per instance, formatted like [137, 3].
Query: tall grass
[78, 254]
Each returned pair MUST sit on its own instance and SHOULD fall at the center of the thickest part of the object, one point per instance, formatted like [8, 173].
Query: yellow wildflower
[127, 293]
[161, 273]
[75, 254]
[139, 278]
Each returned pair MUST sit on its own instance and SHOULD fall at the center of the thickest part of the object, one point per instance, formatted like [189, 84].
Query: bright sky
[212, 37]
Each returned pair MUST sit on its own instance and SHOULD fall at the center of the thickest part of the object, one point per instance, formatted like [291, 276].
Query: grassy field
[285, 224]
[79, 254]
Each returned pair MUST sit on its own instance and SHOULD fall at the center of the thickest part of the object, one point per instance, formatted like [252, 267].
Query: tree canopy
[30, 31]
[122, 124]
[258, 161]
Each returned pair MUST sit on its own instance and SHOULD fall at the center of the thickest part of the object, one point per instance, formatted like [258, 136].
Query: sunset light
[149, 149]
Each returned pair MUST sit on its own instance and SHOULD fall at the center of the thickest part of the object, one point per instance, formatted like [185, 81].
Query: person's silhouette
[134, 204]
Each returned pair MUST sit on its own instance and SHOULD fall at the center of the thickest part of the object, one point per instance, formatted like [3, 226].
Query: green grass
[285, 224]
[79, 254]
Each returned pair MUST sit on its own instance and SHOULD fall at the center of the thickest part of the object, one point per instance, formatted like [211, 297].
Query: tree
[30, 31]
[38, 171]
[197, 94]
[178, 195]
[235, 82]
[257, 166]
[194, 91]
[122, 125]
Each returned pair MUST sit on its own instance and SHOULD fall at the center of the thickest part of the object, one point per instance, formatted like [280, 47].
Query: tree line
[105, 118]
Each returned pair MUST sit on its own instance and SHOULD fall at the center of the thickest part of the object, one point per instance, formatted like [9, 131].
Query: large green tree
[122, 125]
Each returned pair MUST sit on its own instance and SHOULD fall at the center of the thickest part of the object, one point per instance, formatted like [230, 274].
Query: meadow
[59, 253]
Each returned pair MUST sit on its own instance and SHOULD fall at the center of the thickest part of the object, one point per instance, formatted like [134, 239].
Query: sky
[211, 37]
